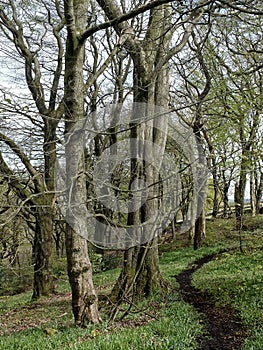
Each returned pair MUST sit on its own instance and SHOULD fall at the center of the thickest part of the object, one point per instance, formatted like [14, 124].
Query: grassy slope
[237, 279]
[233, 279]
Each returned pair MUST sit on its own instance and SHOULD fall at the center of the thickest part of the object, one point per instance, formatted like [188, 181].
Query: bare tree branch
[117, 17]
[241, 7]
[18, 151]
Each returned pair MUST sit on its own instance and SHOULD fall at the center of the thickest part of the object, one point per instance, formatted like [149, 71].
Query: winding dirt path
[224, 330]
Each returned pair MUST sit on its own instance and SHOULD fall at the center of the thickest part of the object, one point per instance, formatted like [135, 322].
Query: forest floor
[214, 302]
[223, 325]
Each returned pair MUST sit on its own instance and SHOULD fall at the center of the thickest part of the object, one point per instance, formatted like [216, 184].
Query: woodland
[131, 195]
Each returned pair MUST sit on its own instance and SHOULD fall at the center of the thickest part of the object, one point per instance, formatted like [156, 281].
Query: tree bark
[84, 296]
[43, 248]
[199, 231]
[253, 199]
[239, 201]
[225, 198]
[259, 191]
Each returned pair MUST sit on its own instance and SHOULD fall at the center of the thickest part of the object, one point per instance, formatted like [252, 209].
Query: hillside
[229, 284]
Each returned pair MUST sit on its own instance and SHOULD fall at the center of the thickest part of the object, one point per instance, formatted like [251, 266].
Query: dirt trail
[224, 330]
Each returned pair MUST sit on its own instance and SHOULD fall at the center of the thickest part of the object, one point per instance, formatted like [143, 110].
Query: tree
[84, 298]
[194, 74]
[140, 274]
[243, 99]
[40, 194]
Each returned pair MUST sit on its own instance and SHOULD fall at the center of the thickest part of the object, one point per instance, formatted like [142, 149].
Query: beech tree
[224, 113]
[194, 74]
[84, 297]
[150, 55]
[241, 96]
[36, 190]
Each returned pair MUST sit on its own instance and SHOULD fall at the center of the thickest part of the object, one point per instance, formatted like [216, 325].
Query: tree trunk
[42, 203]
[199, 232]
[215, 188]
[202, 162]
[84, 297]
[239, 201]
[43, 252]
[200, 227]
[149, 276]
[141, 274]
[253, 200]
[45, 215]
[259, 191]
[225, 199]
[240, 187]
[214, 168]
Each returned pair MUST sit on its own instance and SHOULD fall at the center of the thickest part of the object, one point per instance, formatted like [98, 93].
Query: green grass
[237, 279]
[175, 329]
[234, 279]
